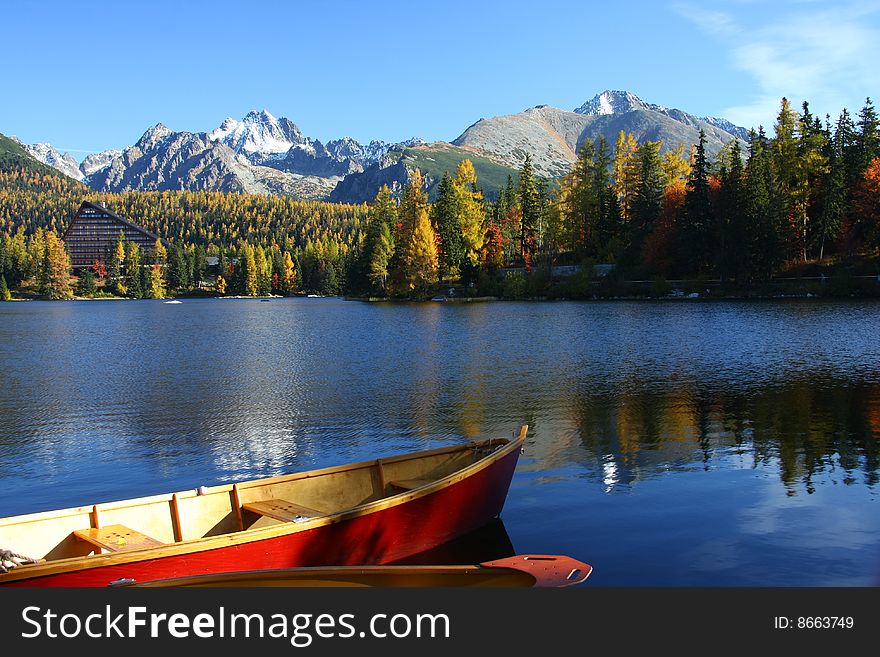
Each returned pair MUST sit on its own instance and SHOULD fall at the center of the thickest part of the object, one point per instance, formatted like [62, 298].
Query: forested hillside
[809, 194]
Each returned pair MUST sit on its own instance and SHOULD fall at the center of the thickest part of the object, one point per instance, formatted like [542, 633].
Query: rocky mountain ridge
[264, 154]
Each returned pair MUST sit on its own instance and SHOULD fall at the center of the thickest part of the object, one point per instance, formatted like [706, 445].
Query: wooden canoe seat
[409, 484]
[282, 510]
[116, 538]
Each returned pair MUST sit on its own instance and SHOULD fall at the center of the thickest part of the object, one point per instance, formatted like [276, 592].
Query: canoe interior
[190, 515]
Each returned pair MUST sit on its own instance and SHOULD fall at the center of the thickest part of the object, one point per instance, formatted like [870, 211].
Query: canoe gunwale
[501, 448]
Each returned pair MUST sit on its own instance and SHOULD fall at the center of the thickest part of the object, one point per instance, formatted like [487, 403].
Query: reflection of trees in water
[806, 426]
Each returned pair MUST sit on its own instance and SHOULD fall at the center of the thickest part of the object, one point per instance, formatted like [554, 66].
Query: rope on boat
[10, 560]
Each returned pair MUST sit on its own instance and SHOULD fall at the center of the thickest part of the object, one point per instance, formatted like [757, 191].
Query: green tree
[648, 198]
[85, 285]
[732, 227]
[784, 147]
[178, 274]
[835, 202]
[379, 244]
[5, 295]
[530, 207]
[581, 202]
[761, 205]
[446, 217]
[810, 175]
[248, 265]
[867, 138]
[697, 222]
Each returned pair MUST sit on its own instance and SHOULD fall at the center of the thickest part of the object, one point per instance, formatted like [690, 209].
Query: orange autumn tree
[657, 250]
[864, 226]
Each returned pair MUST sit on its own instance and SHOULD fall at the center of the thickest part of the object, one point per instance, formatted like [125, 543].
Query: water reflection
[667, 429]
[803, 428]
[485, 544]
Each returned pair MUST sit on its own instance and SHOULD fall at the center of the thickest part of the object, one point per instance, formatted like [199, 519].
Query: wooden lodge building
[94, 231]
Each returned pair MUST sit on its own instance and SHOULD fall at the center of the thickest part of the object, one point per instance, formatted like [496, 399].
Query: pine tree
[811, 171]
[5, 295]
[379, 248]
[607, 230]
[530, 207]
[446, 217]
[867, 139]
[647, 200]
[581, 203]
[732, 235]
[133, 270]
[178, 274]
[760, 207]
[85, 285]
[508, 217]
[835, 202]
[784, 147]
[696, 232]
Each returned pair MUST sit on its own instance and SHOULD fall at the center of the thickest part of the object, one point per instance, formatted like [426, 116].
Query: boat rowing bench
[116, 538]
[409, 484]
[282, 510]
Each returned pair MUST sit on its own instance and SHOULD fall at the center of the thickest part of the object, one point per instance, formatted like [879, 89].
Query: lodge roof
[122, 220]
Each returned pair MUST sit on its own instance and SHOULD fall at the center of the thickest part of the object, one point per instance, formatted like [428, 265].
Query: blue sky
[87, 76]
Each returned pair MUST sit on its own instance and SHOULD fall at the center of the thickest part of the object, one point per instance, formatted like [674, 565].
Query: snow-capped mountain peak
[97, 161]
[258, 132]
[614, 102]
[48, 154]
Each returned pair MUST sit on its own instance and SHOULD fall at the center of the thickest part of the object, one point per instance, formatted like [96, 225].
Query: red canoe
[525, 570]
[368, 513]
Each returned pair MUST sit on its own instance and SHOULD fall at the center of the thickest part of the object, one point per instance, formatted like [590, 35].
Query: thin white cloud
[808, 52]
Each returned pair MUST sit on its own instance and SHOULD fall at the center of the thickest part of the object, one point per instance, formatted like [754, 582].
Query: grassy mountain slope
[435, 159]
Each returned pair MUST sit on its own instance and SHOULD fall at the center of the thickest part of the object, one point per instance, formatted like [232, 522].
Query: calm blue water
[672, 444]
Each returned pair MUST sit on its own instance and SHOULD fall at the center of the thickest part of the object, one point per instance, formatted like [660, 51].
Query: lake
[677, 443]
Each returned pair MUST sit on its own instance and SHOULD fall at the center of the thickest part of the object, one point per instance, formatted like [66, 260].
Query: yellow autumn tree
[157, 283]
[57, 268]
[470, 208]
[625, 169]
[288, 278]
[160, 253]
[675, 166]
[418, 256]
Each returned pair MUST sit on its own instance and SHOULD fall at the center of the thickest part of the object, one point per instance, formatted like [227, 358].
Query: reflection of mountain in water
[806, 426]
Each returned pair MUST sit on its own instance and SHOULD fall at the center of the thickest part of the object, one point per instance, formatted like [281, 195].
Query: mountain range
[264, 154]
